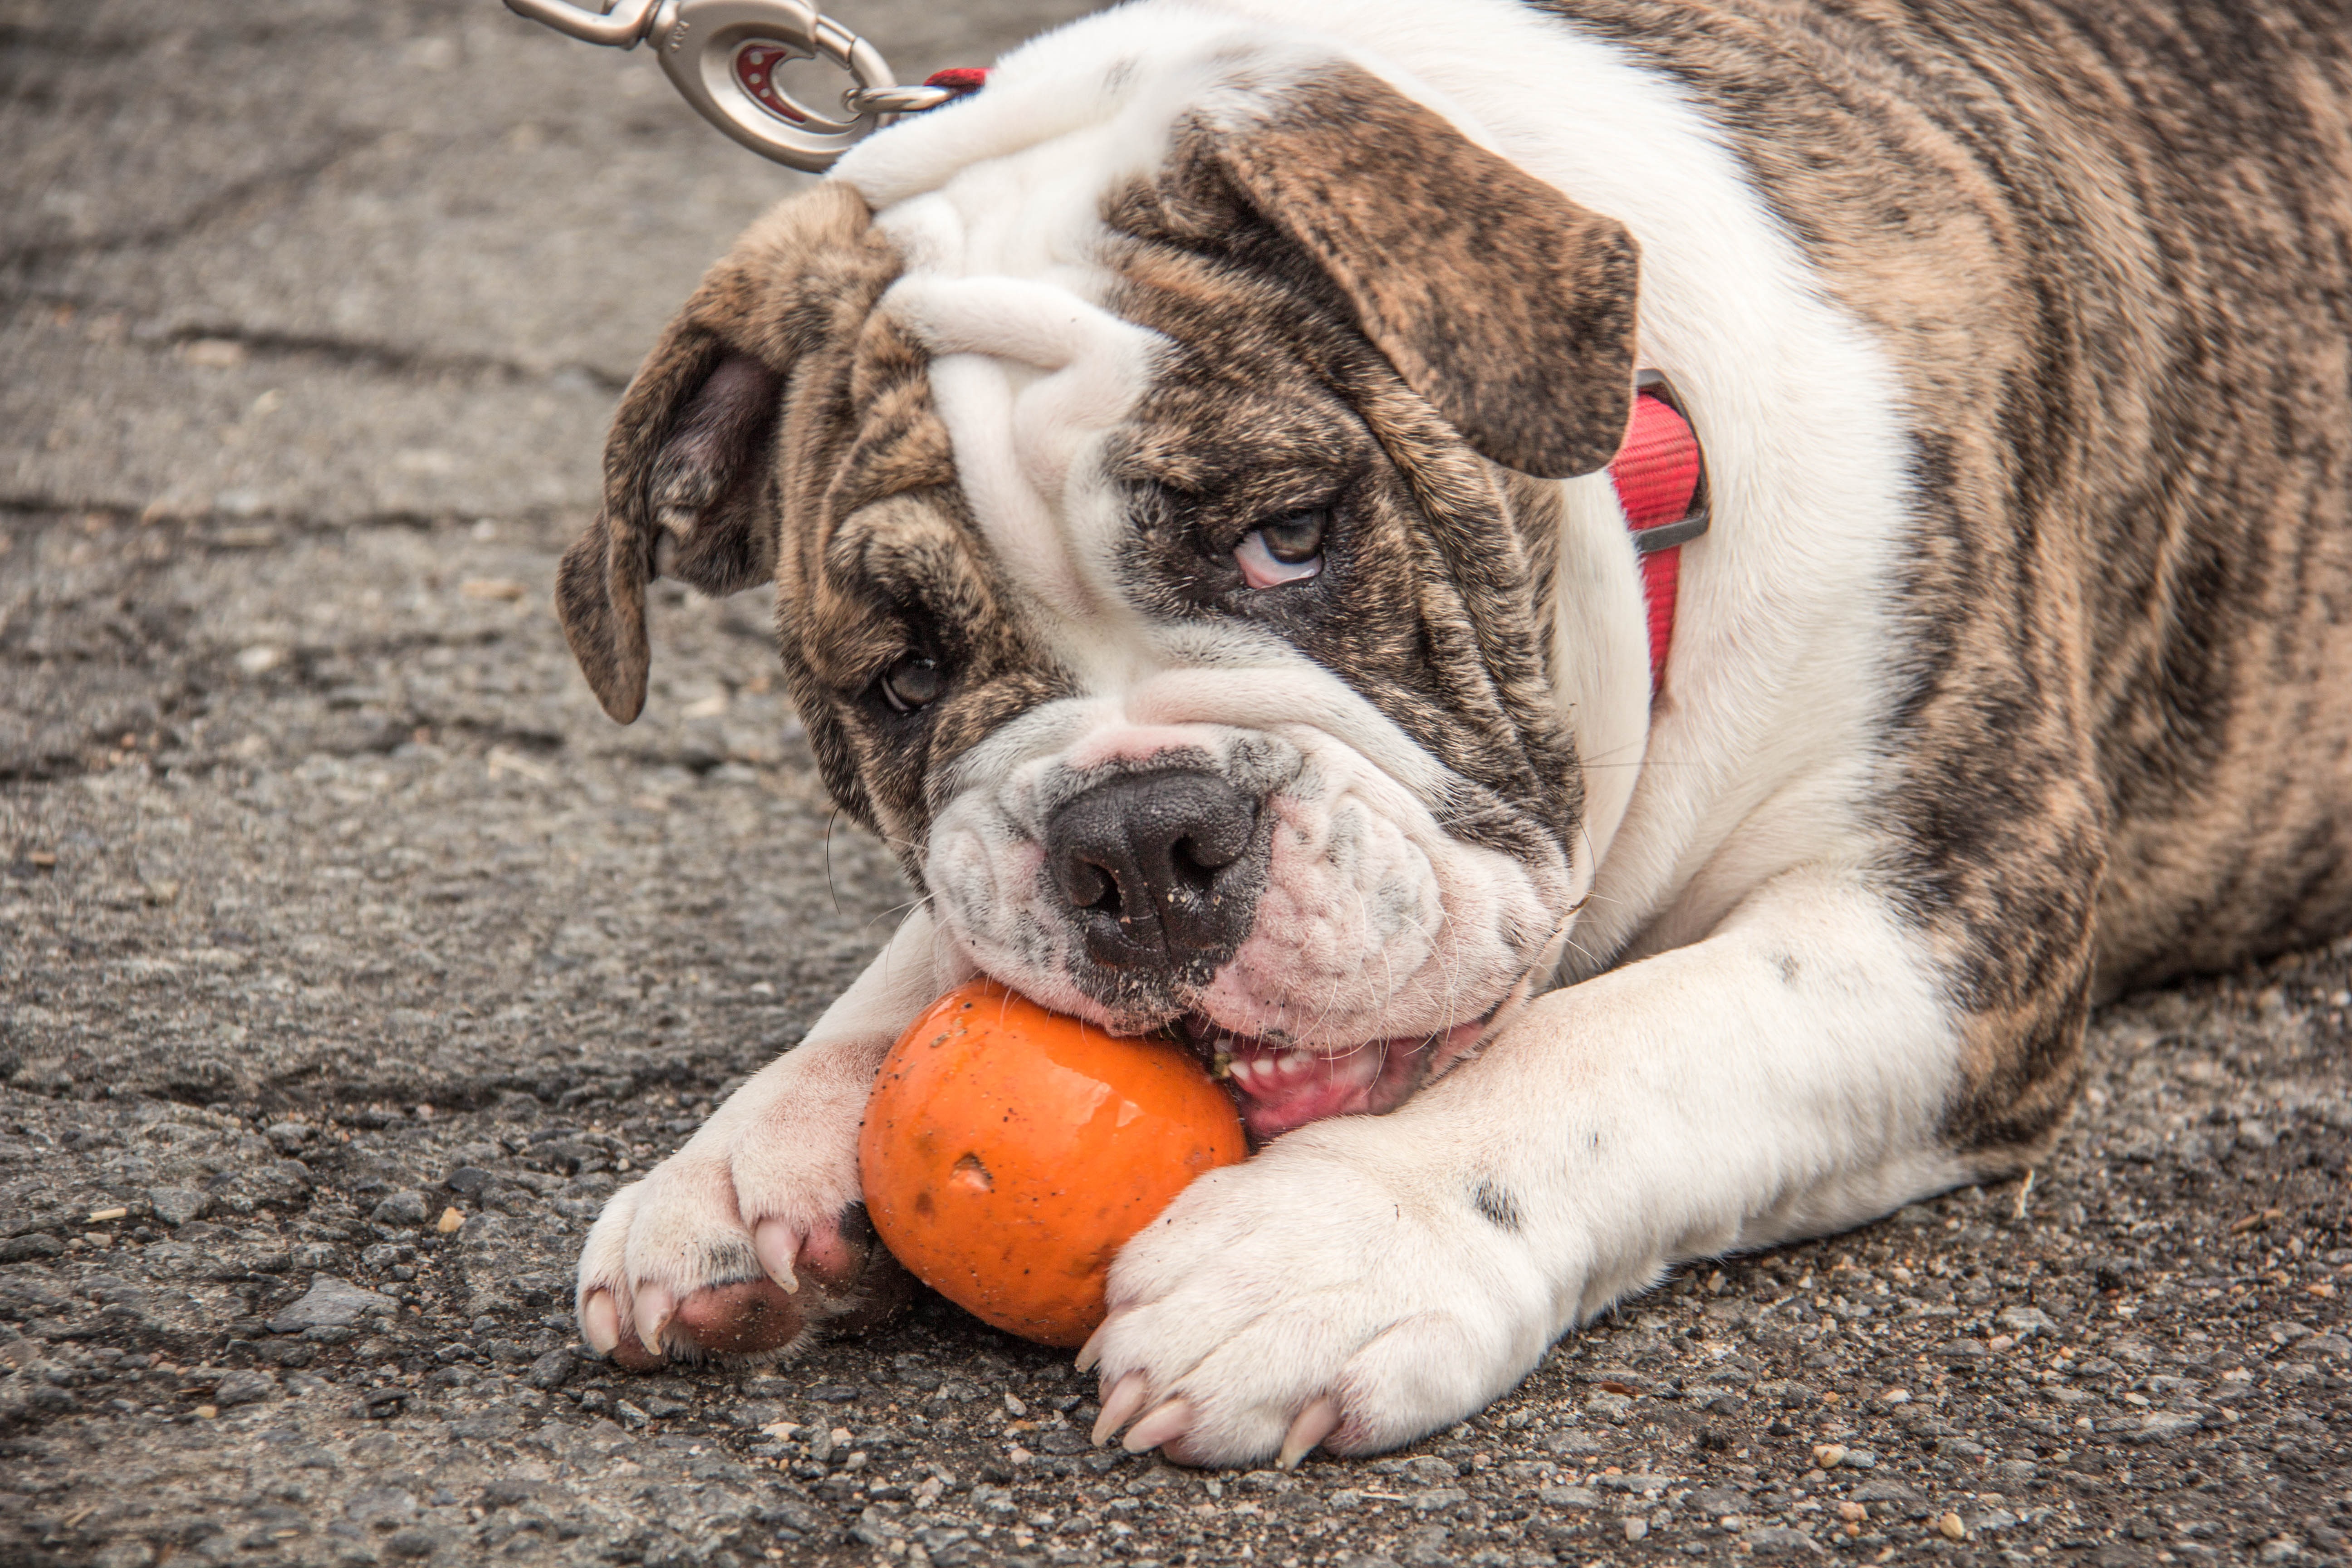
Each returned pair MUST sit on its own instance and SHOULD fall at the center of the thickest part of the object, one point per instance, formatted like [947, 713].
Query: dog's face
[1159, 568]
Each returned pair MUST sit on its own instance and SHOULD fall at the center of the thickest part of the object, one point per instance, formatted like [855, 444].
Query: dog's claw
[1315, 1423]
[1119, 1405]
[600, 1323]
[652, 1310]
[1091, 1352]
[775, 1242]
[1164, 1424]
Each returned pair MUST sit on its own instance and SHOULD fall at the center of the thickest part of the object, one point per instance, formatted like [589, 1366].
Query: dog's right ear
[691, 468]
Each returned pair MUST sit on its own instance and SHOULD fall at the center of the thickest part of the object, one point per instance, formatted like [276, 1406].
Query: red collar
[1661, 479]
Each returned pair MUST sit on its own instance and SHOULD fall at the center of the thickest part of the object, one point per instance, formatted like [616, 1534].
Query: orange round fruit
[1009, 1153]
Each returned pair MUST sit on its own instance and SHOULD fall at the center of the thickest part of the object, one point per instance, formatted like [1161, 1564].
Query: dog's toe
[751, 1317]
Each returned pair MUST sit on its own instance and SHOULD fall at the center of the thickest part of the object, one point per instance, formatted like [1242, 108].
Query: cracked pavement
[349, 957]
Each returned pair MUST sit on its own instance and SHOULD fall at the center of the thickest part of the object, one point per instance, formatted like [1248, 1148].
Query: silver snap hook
[723, 56]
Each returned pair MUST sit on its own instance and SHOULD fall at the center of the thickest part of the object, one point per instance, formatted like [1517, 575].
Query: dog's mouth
[1281, 1086]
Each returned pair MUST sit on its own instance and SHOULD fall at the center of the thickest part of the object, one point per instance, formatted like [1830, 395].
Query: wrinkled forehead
[995, 206]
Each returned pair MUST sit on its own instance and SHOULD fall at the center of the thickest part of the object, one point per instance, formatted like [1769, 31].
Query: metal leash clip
[723, 55]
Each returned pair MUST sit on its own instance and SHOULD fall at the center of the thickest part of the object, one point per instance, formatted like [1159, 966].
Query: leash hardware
[1666, 535]
[624, 27]
[1654, 537]
[722, 55]
[897, 100]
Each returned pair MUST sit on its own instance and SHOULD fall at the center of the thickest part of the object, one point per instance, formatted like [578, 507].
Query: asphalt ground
[332, 913]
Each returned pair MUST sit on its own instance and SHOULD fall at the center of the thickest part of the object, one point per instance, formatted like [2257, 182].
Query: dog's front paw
[1313, 1296]
[742, 1242]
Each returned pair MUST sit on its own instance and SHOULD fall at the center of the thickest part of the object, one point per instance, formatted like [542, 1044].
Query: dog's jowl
[1188, 470]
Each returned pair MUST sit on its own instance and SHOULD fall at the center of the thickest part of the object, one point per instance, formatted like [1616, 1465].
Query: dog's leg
[1368, 1280]
[754, 1233]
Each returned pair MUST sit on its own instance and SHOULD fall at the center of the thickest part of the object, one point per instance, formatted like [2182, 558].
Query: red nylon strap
[958, 79]
[1656, 473]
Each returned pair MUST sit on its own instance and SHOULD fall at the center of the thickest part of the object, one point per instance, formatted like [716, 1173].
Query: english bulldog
[1189, 472]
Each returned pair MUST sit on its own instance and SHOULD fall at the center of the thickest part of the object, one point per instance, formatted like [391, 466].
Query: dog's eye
[913, 682]
[1287, 549]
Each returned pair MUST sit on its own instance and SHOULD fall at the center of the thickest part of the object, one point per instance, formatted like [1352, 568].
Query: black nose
[1159, 870]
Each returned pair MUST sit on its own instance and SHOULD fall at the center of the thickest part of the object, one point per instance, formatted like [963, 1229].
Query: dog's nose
[1156, 867]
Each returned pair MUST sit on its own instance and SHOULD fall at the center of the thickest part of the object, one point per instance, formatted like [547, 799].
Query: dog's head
[1151, 504]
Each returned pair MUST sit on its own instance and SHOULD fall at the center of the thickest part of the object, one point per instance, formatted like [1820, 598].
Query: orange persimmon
[1008, 1152]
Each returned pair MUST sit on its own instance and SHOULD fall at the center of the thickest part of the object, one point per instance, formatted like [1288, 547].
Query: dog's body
[1168, 489]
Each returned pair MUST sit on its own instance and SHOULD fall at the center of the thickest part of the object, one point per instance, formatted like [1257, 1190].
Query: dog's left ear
[690, 467]
[1505, 305]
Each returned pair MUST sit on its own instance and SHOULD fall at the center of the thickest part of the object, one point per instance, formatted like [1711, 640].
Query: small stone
[411, 1543]
[1567, 1497]
[1779, 1541]
[207, 1412]
[550, 1371]
[404, 1208]
[22, 1249]
[2163, 1425]
[450, 1223]
[1636, 1527]
[382, 1403]
[1950, 1528]
[1853, 1512]
[1829, 1455]
[380, 1507]
[331, 1303]
[243, 1388]
[2023, 1322]
[124, 1554]
[467, 1181]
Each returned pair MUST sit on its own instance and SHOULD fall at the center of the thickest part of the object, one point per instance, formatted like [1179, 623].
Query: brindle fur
[2123, 747]
[2108, 249]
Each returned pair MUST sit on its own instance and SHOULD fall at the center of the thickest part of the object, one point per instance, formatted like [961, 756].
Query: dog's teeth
[1295, 1063]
